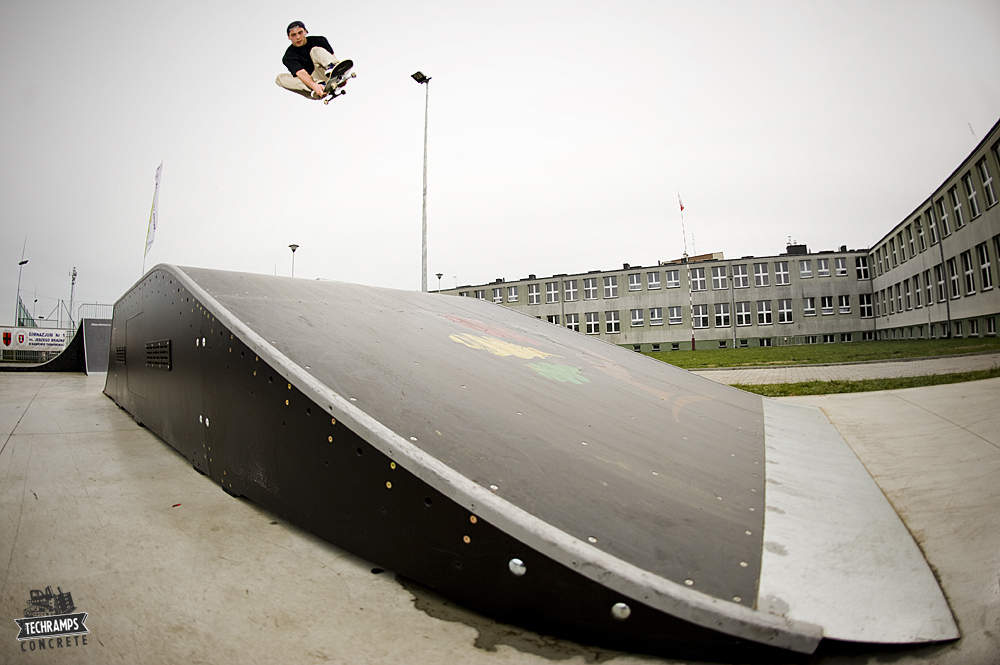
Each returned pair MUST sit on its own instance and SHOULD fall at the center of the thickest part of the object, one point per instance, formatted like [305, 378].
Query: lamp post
[17, 298]
[439, 276]
[293, 248]
[424, 80]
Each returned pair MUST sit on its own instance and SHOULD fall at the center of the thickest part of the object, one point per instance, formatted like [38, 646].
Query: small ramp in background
[532, 473]
[87, 352]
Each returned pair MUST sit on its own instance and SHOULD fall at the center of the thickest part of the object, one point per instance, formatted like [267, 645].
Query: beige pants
[321, 60]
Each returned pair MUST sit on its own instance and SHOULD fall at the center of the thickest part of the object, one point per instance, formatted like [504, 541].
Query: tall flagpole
[154, 214]
[688, 262]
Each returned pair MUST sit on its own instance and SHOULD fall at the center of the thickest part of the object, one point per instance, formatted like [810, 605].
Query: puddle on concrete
[492, 634]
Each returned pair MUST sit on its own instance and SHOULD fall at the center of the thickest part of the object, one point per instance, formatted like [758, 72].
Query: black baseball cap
[295, 24]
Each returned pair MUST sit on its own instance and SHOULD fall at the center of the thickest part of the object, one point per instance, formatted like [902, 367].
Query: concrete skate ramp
[530, 472]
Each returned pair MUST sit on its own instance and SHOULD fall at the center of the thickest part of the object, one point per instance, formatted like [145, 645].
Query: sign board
[33, 339]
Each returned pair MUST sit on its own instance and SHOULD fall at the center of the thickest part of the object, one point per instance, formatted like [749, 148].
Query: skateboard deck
[339, 77]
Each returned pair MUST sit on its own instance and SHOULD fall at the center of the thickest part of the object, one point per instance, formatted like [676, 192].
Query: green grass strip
[865, 385]
[810, 354]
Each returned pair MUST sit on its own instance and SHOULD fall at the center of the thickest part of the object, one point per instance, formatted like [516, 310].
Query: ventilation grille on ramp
[158, 355]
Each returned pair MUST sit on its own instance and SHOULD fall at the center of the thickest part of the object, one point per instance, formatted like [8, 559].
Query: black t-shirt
[297, 57]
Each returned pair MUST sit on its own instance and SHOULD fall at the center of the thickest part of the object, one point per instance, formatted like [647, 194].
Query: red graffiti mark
[616, 371]
[496, 331]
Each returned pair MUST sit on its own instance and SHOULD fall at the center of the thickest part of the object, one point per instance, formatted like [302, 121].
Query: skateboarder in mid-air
[312, 66]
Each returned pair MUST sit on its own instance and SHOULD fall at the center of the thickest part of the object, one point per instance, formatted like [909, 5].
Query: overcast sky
[560, 134]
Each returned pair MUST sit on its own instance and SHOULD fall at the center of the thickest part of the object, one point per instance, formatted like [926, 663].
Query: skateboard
[338, 80]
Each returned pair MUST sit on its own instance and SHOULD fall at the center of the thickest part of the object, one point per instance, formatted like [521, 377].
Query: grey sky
[560, 134]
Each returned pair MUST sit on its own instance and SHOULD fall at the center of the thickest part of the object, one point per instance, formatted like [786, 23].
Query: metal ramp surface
[525, 470]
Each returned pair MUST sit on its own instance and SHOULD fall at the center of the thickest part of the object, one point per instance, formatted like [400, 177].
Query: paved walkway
[853, 371]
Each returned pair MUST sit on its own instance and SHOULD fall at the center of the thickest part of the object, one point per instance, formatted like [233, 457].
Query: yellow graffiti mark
[498, 347]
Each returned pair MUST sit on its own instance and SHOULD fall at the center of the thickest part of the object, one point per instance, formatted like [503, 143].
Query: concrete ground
[892, 369]
[171, 569]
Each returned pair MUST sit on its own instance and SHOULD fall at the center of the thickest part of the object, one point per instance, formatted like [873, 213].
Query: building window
[829, 339]
[970, 194]
[892, 251]
[635, 281]
[656, 315]
[953, 275]
[809, 339]
[958, 328]
[637, 318]
[906, 287]
[590, 288]
[823, 267]
[781, 273]
[743, 315]
[765, 341]
[785, 310]
[653, 280]
[699, 316]
[987, 179]
[916, 291]
[534, 294]
[698, 279]
[844, 304]
[929, 287]
[939, 279]
[719, 280]
[920, 234]
[860, 267]
[722, 315]
[956, 206]
[845, 337]
[463, 294]
[573, 322]
[865, 305]
[569, 288]
[899, 297]
[740, 278]
[673, 279]
[611, 286]
[973, 327]
[674, 314]
[909, 240]
[593, 323]
[809, 307]
[760, 275]
[991, 326]
[498, 295]
[613, 324]
[805, 269]
[902, 247]
[930, 222]
[985, 274]
[969, 271]
[553, 318]
[826, 302]
[551, 292]
[763, 312]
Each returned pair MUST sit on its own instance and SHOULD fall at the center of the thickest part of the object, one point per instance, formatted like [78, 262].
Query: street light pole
[293, 248]
[17, 298]
[439, 276]
[424, 80]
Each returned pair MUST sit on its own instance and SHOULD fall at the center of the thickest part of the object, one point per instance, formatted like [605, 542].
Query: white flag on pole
[154, 213]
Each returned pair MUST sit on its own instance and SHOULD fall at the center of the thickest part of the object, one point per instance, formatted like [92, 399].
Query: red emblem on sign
[6, 339]
[20, 338]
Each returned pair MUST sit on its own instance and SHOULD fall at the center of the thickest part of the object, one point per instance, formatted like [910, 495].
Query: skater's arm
[310, 83]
